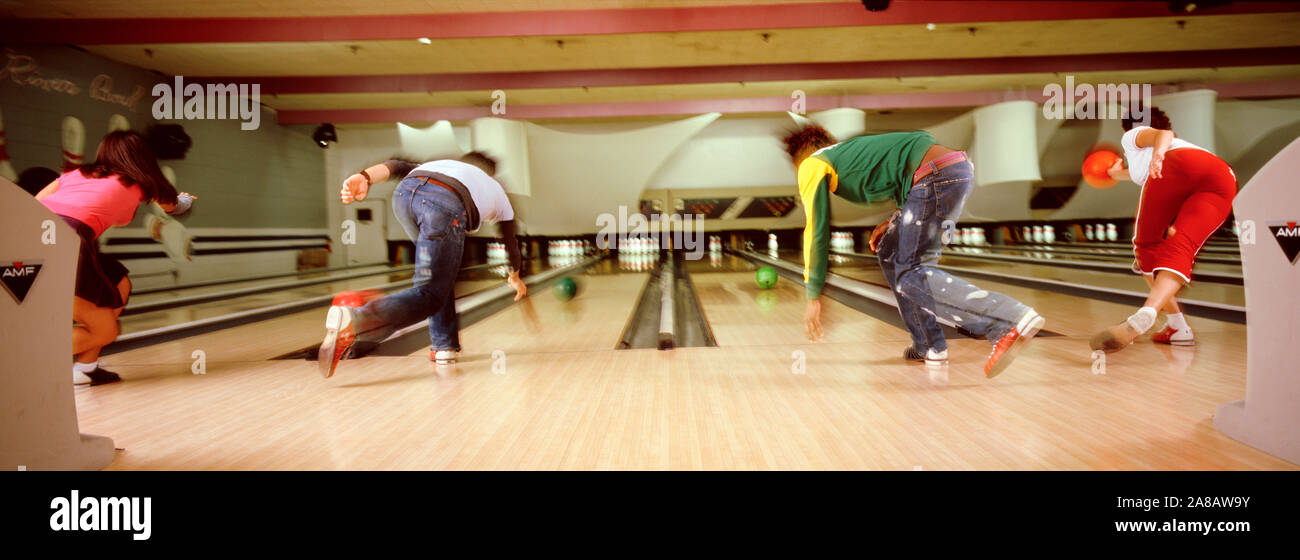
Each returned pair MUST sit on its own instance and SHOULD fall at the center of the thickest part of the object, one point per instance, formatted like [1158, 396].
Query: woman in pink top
[91, 199]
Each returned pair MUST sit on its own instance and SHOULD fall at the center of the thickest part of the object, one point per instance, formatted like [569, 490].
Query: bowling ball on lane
[765, 277]
[564, 289]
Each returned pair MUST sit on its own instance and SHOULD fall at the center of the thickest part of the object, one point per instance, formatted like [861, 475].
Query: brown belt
[936, 164]
[440, 184]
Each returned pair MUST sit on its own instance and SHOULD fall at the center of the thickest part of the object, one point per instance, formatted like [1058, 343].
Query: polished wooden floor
[560, 397]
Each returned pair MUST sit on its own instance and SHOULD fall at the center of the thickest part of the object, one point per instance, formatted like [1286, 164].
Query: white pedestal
[38, 412]
[1269, 417]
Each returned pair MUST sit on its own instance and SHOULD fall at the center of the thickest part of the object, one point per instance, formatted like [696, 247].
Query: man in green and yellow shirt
[929, 183]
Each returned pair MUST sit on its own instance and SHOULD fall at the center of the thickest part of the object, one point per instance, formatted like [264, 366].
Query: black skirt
[97, 274]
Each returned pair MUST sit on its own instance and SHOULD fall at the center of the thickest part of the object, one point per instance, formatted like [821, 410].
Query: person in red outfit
[1187, 194]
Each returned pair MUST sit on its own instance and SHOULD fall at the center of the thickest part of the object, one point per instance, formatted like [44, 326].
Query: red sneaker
[1005, 350]
[339, 338]
[1175, 337]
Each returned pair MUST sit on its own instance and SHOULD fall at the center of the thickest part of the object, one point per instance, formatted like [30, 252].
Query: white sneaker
[933, 358]
[444, 357]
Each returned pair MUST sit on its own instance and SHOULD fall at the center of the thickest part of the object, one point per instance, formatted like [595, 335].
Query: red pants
[1194, 195]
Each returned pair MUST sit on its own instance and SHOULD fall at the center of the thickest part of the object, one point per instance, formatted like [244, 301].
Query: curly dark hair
[1156, 119]
[482, 160]
[811, 136]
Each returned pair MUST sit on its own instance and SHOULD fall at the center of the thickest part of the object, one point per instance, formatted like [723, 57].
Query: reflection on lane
[468, 281]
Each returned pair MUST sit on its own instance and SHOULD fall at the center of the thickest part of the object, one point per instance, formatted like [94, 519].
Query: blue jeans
[910, 250]
[435, 220]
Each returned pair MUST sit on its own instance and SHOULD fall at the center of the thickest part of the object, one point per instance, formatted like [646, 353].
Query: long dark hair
[126, 154]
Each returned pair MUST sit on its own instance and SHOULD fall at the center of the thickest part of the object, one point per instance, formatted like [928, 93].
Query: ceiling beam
[1282, 88]
[585, 22]
[421, 83]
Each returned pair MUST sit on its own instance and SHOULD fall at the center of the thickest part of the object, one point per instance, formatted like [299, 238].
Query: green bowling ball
[765, 277]
[564, 289]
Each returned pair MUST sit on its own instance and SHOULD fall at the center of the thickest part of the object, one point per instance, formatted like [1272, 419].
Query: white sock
[79, 371]
[1178, 322]
[1143, 320]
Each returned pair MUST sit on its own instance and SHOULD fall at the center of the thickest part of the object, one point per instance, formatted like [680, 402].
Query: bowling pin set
[563, 252]
[842, 241]
[496, 252]
[1101, 232]
[970, 236]
[1038, 234]
[638, 253]
[715, 244]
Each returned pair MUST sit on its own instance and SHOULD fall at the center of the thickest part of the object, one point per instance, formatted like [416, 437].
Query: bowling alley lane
[742, 314]
[155, 295]
[541, 323]
[1215, 292]
[1070, 315]
[470, 281]
[264, 339]
[261, 340]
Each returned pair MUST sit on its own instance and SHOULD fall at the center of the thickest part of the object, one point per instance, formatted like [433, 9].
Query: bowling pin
[118, 122]
[6, 168]
[74, 142]
[1112, 233]
[1026, 234]
[1049, 234]
[771, 243]
[1038, 234]
[1087, 231]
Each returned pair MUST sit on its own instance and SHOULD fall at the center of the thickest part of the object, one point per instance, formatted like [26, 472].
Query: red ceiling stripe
[1283, 88]
[768, 72]
[584, 22]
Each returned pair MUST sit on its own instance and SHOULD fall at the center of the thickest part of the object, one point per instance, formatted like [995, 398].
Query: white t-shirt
[1139, 159]
[489, 196]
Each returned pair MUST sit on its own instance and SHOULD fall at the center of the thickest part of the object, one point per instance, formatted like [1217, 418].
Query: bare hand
[521, 289]
[354, 188]
[812, 320]
[1157, 164]
[1116, 170]
[878, 233]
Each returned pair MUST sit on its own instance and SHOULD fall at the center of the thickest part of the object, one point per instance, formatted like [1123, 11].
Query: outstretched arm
[507, 229]
[814, 192]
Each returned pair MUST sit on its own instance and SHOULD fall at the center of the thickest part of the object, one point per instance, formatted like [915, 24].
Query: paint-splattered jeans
[434, 219]
[910, 250]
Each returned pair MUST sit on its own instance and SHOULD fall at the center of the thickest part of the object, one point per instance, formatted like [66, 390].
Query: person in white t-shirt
[437, 203]
[1187, 194]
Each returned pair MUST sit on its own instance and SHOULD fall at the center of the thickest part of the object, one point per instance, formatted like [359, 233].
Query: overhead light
[1187, 6]
[425, 41]
[324, 134]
